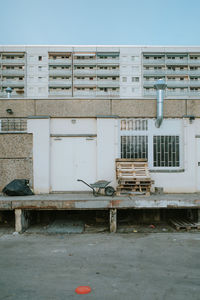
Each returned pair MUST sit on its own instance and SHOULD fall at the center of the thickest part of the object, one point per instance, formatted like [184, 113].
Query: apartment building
[98, 72]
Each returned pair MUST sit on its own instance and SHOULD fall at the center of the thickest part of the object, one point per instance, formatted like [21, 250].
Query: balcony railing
[108, 83]
[85, 72]
[109, 61]
[177, 83]
[154, 72]
[12, 61]
[108, 72]
[195, 83]
[176, 61]
[153, 62]
[13, 72]
[148, 83]
[176, 72]
[107, 94]
[60, 61]
[85, 61]
[85, 82]
[61, 93]
[13, 83]
[84, 93]
[61, 72]
[61, 83]
[194, 72]
[13, 95]
[194, 62]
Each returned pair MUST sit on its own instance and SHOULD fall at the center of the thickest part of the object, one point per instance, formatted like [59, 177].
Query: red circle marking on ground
[83, 290]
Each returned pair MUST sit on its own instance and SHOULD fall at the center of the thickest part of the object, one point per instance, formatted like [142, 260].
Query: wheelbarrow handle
[85, 183]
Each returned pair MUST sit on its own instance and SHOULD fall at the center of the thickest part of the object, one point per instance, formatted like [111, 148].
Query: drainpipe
[160, 87]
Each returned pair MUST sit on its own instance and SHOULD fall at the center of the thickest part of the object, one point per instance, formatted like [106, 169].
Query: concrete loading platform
[23, 206]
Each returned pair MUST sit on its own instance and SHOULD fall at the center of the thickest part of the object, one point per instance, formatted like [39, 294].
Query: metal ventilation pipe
[8, 92]
[160, 87]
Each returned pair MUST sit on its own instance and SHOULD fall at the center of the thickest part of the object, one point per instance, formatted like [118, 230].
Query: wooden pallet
[182, 223]
[120, 190]
[129, 169]
[133, 176]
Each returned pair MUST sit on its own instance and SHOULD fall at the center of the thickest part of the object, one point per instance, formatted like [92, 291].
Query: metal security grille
[13, 125]
[134, 146]
[166, 151]
[134, 124]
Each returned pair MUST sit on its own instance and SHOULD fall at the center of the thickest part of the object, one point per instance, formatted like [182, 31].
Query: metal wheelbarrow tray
[100, 185]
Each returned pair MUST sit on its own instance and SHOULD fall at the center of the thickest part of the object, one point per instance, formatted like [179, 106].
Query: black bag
[18, 187]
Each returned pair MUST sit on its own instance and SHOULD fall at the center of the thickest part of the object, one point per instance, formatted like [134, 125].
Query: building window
[138, 139]
[13, 125]
[40, 58]
[135, 79]
[124, 79]
[134, 146]
[166, 151]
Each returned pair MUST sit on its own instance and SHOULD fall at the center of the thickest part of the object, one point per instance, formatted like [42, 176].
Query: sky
[100, 22]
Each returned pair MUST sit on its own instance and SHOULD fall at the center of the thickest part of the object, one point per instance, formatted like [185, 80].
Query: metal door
[72, 158]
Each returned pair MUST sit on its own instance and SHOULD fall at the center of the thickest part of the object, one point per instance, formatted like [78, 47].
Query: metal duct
[160, 87]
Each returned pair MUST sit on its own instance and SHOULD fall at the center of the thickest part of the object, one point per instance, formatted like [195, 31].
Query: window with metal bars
[134, 146]
[166, 151]
[13, 125]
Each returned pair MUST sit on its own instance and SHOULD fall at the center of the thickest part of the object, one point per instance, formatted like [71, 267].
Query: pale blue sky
[131, 22]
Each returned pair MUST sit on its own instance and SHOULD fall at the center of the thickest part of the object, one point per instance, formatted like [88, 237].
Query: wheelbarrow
[100, 185]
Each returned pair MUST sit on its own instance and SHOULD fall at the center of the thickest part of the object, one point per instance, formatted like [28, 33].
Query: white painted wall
[40, 128]
[184, 182]
[107, 149]
[73, 126]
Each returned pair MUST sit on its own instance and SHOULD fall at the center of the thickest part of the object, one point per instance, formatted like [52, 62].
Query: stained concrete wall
[145, 108]
[15, 157]
[21, 108]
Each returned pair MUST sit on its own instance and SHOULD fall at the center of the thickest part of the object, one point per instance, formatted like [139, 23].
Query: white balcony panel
[12, 61]
[58, 83]
[107, 94]
[85, 72]
[60, 61]
[85, 61]
[153, 62]
[108, 72]
[13, 72]
[108, 83]
[154, 72]
[85, 82]
[194, 62]
[13, 95]
[176, 72]
[61, 93]
[174, 83]
[177, 93]
[194, 72]
[176, 61]
[195, 83]
[60, 72]
[13, 83]
[84, 93]
[108, 61]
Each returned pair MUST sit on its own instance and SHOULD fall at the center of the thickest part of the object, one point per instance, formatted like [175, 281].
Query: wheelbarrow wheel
[109, 191]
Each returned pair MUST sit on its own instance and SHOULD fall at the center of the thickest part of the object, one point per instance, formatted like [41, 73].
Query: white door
[72, 158]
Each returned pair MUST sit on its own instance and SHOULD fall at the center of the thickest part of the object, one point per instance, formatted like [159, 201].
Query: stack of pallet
[133, 176]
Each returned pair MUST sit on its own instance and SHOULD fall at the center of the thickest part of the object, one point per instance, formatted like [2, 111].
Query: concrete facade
[15, 158]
